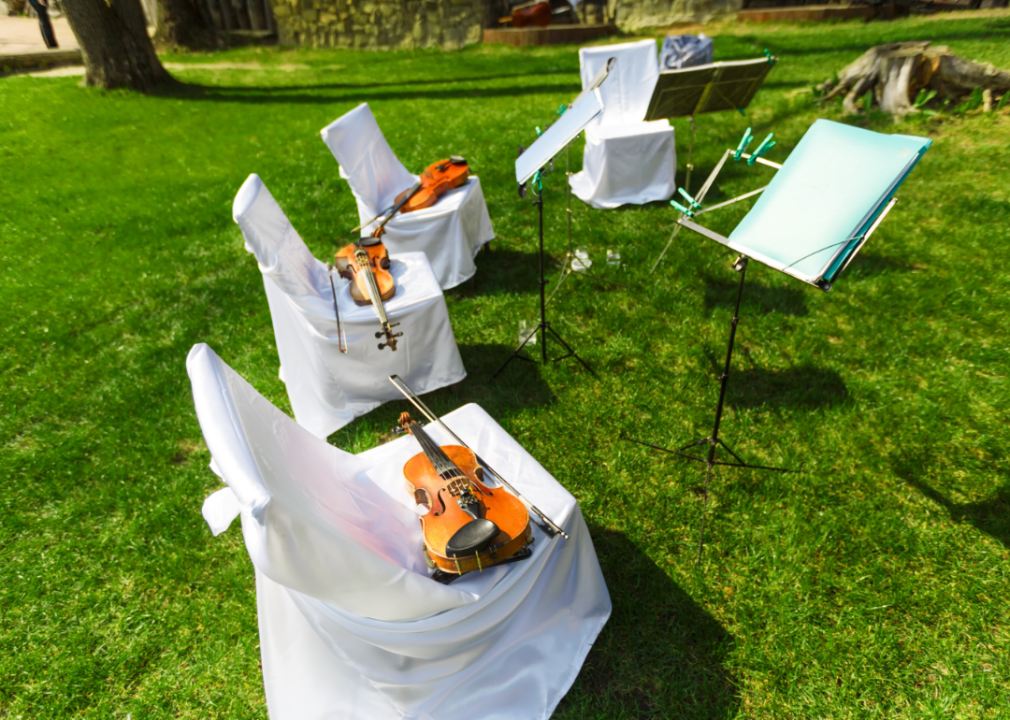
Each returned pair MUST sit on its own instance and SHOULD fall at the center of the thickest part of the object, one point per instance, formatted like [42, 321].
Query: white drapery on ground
[327, 388]
[626, 160]
[451, 232]
[350, 624]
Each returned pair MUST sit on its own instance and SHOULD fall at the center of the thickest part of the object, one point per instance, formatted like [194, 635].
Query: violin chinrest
[471, 538]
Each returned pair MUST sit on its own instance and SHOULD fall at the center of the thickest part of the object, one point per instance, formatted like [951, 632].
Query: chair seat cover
[627, 164]
[351, 626]
[327, 388]
[450, 233]
[626, 160]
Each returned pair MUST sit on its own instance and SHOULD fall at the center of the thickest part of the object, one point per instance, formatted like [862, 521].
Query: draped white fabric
[451, 232]
[626, 160]
[351, 626]
[327, 388]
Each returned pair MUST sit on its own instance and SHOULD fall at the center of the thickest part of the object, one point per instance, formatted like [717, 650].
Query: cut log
[896, 72]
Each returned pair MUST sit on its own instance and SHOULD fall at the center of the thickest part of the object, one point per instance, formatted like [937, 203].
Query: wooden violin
[366, 265]
[469, 526]
[437, 179]
[539, 14]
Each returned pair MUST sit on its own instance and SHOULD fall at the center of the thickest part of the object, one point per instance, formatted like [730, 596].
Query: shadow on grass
[802, 386]
[365, 87]
[503, 270]
[870, 264]
[516, 391]
[991, 516]
[786, 48]
[323, 95]
[720, 294]
[660, 655]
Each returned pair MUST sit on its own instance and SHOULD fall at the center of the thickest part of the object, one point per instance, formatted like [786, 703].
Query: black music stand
[532, 165]
[567, 270]
[702, 89]
[829, 197]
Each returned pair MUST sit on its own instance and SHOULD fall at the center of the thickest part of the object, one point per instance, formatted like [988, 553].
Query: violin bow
[341, 340]
[551, 528]
[389, 212]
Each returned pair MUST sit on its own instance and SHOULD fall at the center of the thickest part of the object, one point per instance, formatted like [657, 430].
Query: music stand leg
[714, 441]
[544, 326]
[567, 263]
[690, 156]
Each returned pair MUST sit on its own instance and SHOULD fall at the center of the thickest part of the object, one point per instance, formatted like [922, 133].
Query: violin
[366, 265]
[469, 526]
[437, 179]
[539, 14]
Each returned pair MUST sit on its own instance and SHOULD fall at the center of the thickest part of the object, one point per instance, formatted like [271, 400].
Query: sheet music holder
[824, 202]
[715, 87]
[531, 165]
[821, 207]
[701, 89]
[556, 138]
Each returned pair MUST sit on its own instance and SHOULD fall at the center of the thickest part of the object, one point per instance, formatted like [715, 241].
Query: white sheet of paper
[557, 136]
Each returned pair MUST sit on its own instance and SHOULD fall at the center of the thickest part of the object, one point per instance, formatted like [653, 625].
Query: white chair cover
[626, 160]
[350, 624]
[451, 232]
[327, 388]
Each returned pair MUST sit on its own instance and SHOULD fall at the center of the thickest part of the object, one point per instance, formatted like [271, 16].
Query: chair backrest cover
[279, 250]
[313, 521]
[628, 87]
[821, 203]
[375, 174]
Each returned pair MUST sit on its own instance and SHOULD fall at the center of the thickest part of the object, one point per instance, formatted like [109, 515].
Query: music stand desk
[824, 202]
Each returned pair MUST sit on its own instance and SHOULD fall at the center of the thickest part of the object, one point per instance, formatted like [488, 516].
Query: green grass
[873, 584]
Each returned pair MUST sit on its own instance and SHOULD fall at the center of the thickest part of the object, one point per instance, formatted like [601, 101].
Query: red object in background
[539, 15]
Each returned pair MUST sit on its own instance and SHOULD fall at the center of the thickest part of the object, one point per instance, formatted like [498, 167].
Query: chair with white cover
[626, 160]
[451, 232]
[351, 626]
[327, 388]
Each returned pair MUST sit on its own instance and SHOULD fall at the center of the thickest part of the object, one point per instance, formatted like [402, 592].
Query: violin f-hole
[422, 497]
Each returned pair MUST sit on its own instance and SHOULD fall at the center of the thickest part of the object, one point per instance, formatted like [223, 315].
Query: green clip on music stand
[716, 87]
[810, 221]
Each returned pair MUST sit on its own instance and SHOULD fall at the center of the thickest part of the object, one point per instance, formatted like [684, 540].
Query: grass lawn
[873, 584]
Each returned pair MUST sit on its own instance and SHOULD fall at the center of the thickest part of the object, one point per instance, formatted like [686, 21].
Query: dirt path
[21, 36]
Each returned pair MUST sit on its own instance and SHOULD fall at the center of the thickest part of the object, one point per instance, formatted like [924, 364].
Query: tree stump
[896, 72]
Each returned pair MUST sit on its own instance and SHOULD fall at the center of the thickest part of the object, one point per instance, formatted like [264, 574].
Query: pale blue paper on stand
[822, 202]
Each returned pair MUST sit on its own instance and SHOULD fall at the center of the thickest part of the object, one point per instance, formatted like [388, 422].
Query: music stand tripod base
[544, 326]
[532, 164]
[570, 255]
[714, 441]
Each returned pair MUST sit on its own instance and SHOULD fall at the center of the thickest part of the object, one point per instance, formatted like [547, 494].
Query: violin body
[437, 179]
[539, 15]
[469, 526]
[366, 265]
[355, 266]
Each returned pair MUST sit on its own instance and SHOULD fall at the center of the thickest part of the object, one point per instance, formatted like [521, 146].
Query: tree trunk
[896, 72]
[180, 24]
[114, 43]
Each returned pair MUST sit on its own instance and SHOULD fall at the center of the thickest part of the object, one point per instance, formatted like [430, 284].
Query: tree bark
[114, 43]
[180, 24]
[896, 72]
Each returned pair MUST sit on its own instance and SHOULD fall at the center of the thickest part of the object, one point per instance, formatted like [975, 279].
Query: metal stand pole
[567, 269]
[544, 326]
[690, 156]
[713, 441]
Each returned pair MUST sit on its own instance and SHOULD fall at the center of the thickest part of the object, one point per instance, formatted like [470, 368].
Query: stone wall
[389, 24]
[380, 24]
[637, 14]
